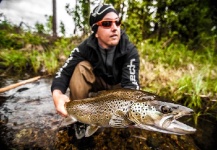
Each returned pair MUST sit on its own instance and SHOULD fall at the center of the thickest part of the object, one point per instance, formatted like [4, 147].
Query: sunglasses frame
[100, 23]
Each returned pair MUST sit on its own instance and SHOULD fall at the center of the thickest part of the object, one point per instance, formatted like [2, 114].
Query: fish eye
[165, 109]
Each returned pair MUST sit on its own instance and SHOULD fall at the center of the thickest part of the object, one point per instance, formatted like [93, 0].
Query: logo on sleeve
[58, 74]
[132, 71]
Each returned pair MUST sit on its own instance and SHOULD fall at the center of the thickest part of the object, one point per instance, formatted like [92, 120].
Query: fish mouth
[171, 125]
[182, 114]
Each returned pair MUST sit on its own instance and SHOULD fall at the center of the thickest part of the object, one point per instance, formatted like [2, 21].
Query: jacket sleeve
[130, 70]
[63, 76]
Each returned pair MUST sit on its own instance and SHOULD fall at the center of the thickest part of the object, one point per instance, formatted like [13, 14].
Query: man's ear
[96, 35]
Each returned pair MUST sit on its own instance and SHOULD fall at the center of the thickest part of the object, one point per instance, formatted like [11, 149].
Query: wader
[83, 81]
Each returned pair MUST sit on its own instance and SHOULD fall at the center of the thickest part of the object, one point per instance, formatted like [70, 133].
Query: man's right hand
[59, 101]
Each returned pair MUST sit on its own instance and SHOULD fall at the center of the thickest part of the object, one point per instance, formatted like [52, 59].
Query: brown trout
[123, 108]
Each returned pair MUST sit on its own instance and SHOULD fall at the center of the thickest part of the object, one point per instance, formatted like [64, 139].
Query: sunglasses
[108, 23]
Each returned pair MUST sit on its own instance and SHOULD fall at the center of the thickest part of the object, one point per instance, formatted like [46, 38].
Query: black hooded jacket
[125, 64]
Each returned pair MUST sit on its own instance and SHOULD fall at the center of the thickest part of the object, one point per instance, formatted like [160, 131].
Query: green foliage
[7, 36]
[49, 24]
[39, 28]
[62, 28]
[10, 40]
[138, 20]
[13, 59]
[15, 37]
[169, 56]
[35, 61]
[80, 15]
[189, 77]
[49, 63]
[194, 86]
[34, 52]
[189, 21]
[45, 29]
[119, 5]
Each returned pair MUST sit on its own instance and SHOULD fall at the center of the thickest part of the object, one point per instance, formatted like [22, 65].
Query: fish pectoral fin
[119, 120]
[68, 120]
[91, 130]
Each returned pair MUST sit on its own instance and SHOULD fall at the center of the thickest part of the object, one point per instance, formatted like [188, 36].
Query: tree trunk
[54, 20]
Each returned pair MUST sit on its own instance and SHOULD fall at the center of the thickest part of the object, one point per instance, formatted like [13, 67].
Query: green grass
[36, 61]
[13, 59]
[183, 75]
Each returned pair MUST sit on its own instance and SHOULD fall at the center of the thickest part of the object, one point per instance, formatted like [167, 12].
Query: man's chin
[113, 43]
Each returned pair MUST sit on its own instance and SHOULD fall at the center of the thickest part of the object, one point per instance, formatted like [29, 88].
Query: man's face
[109, 36]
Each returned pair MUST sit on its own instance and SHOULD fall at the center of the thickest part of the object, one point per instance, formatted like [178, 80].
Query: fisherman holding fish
[105, 60]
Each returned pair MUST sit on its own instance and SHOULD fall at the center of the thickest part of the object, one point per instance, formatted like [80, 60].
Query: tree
[139, 19]
[80, 15]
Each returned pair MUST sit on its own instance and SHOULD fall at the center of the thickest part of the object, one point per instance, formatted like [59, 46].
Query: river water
[29, 121]
[27, 112]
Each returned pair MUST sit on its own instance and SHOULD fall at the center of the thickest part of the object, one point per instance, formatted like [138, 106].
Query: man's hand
[59, 101]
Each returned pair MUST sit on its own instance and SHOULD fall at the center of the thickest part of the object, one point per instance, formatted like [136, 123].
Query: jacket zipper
[106, 67]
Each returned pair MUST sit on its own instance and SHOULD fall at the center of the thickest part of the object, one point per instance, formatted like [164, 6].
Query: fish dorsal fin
[91, 130]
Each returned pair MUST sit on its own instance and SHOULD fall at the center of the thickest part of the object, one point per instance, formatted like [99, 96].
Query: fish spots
[142, 110]
[99, 109]
[153, 108]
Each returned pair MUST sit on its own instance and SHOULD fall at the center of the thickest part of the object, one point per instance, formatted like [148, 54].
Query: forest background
[176, 39]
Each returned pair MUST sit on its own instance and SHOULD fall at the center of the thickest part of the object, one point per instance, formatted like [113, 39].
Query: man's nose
[114, 26]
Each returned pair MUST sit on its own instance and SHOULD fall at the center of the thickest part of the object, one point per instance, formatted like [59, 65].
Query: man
[105, 60]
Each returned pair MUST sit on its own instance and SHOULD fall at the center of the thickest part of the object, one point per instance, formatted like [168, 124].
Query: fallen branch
[12, 86]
